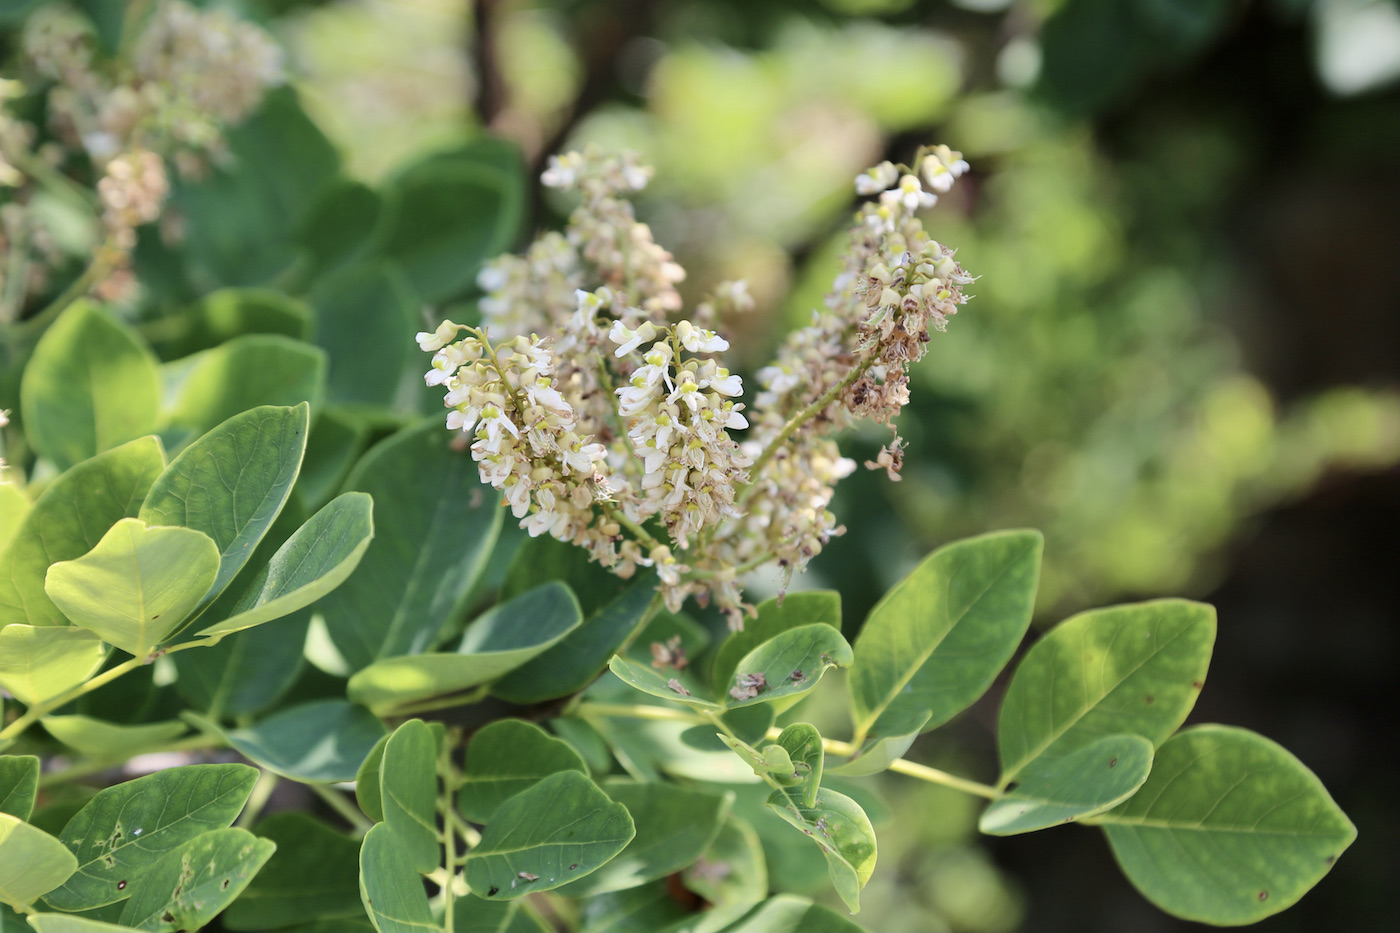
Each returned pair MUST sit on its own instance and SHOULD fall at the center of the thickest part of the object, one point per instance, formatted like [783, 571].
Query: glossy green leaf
[774, 617]
[232, 483]
[433, 536]
[660, 683]
[839, 826]
[19, 783]
[787, 665]
[187, 887]
[366, 315]
[98, 739]
[641, 909]
[338, 224]
[68, 923]
[1059, 790]
[935, 642]
[32, 863]
[224, 315]
[445, 215]
[245, 372]
[246, 672]
[877, 755]
[733, 869]
[337, 439]
[91, 385]
[803, 745]
[506, 757]
[408, 785]
[70, 517]
[499, 641]
[787, 913]
[14, 505]
[320, 742]
[313, 561]
[368, 794]
[126, 828]
[674, 826]
[537, 560]
[575, 662]
[559, 830]
[475, 915]
[1134, 669]
[1228, 829]
[312, 876]
[391, 891]
[39, 663]
[137, 585]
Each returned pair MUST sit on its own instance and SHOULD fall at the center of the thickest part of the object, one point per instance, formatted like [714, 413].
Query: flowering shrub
[222, 541]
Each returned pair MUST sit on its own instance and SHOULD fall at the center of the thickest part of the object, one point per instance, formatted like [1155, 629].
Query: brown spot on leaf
[1113, 762]
[493, 892]
[1197, 684]
[1150, 699]
[1263, 895]
[121, 885]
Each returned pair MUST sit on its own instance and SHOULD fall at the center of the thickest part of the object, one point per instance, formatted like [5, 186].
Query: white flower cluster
[656, 479]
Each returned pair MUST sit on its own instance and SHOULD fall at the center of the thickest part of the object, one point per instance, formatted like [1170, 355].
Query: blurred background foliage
[1181, 363]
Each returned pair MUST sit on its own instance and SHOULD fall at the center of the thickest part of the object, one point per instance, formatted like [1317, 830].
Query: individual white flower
[698, 340]
[910, 195]
[446, 333]
[877, 179]
[942, 167]
[628, 339]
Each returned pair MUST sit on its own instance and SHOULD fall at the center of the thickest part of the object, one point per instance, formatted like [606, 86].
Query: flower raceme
[614, 432]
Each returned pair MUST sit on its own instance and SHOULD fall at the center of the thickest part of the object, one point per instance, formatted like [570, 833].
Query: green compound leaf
[126, 828]
[433, 536]
[733, 869]
[1133, 669]
[368, 793]
[316, 559]
[19, 783]
[312, 876]
[1087, 781]
[499, 641]
[936, 641]
[574, 663]
[408, 785]
[32, 863]
[39, 663]
[1228, 829]
[187, 887]
[68, 520]
[774, 617]
[840, 827]
[506, 757]
[787, 665]
[137, 585]
[245, 372]
[561, 829]
[322, 742]
[99, 739]
[666, 684]
[674, 826]
[91, 385]
[232, 483]
[391, 891]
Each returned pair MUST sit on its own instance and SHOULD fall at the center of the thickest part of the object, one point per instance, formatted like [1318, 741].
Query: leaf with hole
[1134, 669]
[506, 757]
[936, 641]
[1229, 828]
[432, 538]
[660, 683]
[90, 386]
[138, 585]
[232, 483]
[499, 641]
[126, 828]
[787, 665]
[68, 520]
[187, 887]
[559, 830]
[773, 617]
[37, 663]
[839, 826]
[1087, 781]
